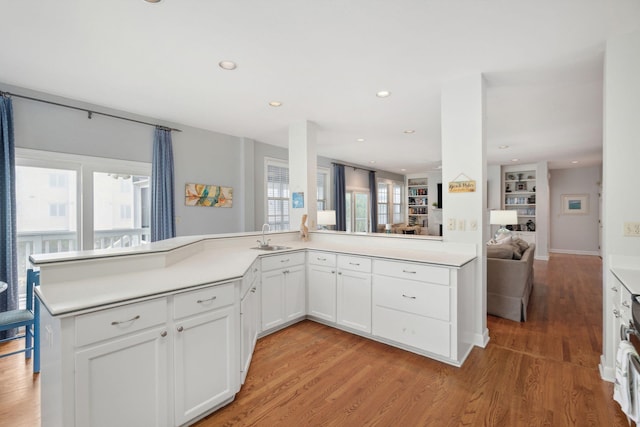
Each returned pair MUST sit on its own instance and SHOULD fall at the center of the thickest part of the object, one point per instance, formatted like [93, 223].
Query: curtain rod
[354, 167]
[89, 112]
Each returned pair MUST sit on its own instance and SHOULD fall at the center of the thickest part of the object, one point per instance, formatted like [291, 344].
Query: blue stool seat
[28, 318]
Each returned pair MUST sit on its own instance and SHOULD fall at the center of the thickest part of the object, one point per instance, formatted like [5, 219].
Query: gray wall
[575, 233]
[200, 156]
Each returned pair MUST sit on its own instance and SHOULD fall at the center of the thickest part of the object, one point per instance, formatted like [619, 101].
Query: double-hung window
[277, 183]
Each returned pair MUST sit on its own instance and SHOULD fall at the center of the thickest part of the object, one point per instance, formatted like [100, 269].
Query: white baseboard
[574, 252]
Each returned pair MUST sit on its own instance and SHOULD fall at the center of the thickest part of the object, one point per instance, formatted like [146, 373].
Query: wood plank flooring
[540, 373]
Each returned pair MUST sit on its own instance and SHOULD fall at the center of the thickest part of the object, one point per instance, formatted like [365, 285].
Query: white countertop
[209, 265]
[630, 278]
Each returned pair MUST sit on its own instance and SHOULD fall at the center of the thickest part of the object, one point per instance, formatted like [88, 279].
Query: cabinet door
[354, 300]
[272, 299]
[205, 363]
[123, 382]
[322, 292]
[294, 293]
[249, 325]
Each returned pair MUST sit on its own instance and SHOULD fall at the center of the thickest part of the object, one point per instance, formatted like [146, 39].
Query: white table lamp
[503, 218]
[326, 218]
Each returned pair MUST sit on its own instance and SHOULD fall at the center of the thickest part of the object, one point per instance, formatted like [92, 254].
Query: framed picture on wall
[575, 204]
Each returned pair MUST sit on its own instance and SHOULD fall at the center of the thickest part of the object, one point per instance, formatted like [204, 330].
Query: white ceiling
[325, 60]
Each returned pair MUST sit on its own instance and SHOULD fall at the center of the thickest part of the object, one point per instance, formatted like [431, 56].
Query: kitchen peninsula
[163, 334]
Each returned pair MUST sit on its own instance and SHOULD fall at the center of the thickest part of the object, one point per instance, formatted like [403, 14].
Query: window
[322, 185]
[397, 203]
[390, 202]
[383, 203]
[277, 181]
[277, 194]
[51, 217]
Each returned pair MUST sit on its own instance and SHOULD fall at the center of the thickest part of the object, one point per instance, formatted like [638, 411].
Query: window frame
[270, 161]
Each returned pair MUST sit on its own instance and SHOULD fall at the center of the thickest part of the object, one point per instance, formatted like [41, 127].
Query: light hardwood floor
[540, 373]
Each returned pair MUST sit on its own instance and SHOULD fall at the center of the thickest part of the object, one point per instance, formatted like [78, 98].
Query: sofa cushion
[502, 251]
[521, 244]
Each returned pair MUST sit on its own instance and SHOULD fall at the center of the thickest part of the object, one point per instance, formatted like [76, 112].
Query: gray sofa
[509, 282]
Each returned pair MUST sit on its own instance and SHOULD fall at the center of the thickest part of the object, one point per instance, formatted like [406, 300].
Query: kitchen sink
[271, 248]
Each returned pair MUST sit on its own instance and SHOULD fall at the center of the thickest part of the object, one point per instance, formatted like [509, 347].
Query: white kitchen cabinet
[121, 372]
[249, 318]
[282, 289]
[123, 381]
[321, 285]
[354, 293]
[412, 305]
[206, 362]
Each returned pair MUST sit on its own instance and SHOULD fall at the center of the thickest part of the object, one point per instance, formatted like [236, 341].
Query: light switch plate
[461, 224]
[632, 229]
[473, 225]
[451, 224]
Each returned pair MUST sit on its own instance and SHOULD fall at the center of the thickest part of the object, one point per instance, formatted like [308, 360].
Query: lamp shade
[503, 217]
[326, 217]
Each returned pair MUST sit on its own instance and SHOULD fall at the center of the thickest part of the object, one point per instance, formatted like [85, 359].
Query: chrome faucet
[264, 243]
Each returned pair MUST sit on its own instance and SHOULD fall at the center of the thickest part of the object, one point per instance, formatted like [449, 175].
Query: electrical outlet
[632, 229]
[451, 224]
[473, 225]
[461, 224]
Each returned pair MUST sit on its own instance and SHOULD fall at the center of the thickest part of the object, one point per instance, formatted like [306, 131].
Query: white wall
[621, 158]
[577, 234]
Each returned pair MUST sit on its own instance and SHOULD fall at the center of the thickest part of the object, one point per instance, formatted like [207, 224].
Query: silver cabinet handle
[200, 301]
[285, 272]
[616, 313]
[626, 304]
[614, 289]
[114, 323]
[321, 259]
[253, 290]
[407, 296]
[354, 263]
[333, 272]
[180, 329]
[340, 273]
[409, 271]
[285, 260]
[255, 270]
[163, 334]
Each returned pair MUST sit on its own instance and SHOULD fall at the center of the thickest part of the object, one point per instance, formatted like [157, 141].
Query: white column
[621, 157]
[464, 158]
[302, 172]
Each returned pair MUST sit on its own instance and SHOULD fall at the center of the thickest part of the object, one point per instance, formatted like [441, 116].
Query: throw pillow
[517, 252]
[500, 251]
[521, 243]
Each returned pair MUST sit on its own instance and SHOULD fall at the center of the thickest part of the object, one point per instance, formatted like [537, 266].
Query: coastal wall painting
[208, 195]
[575, 204]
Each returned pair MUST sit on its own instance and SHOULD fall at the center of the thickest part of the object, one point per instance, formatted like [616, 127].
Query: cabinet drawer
[417, 331]
[354, 263]
[284, 260]
[201, 300]
[114, 322]
[249, 278]
[424, 299]
[322, 258]
[411, 271]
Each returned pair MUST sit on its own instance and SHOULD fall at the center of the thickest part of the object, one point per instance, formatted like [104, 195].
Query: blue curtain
[163, 223]
[8, 238]
[373, 190]
[339, 189]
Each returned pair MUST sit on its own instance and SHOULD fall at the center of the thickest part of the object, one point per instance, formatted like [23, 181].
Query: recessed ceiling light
[226, 65]
[403, 170]
[574, 161]
[515, 160]
[360, 139]
[439, 167]
[372, 162]
[383, 94]
[152, 1]
[275, 103]
[502, 147]
[409, 131]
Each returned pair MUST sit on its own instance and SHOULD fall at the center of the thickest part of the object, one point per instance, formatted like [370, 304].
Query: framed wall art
[575, 204]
